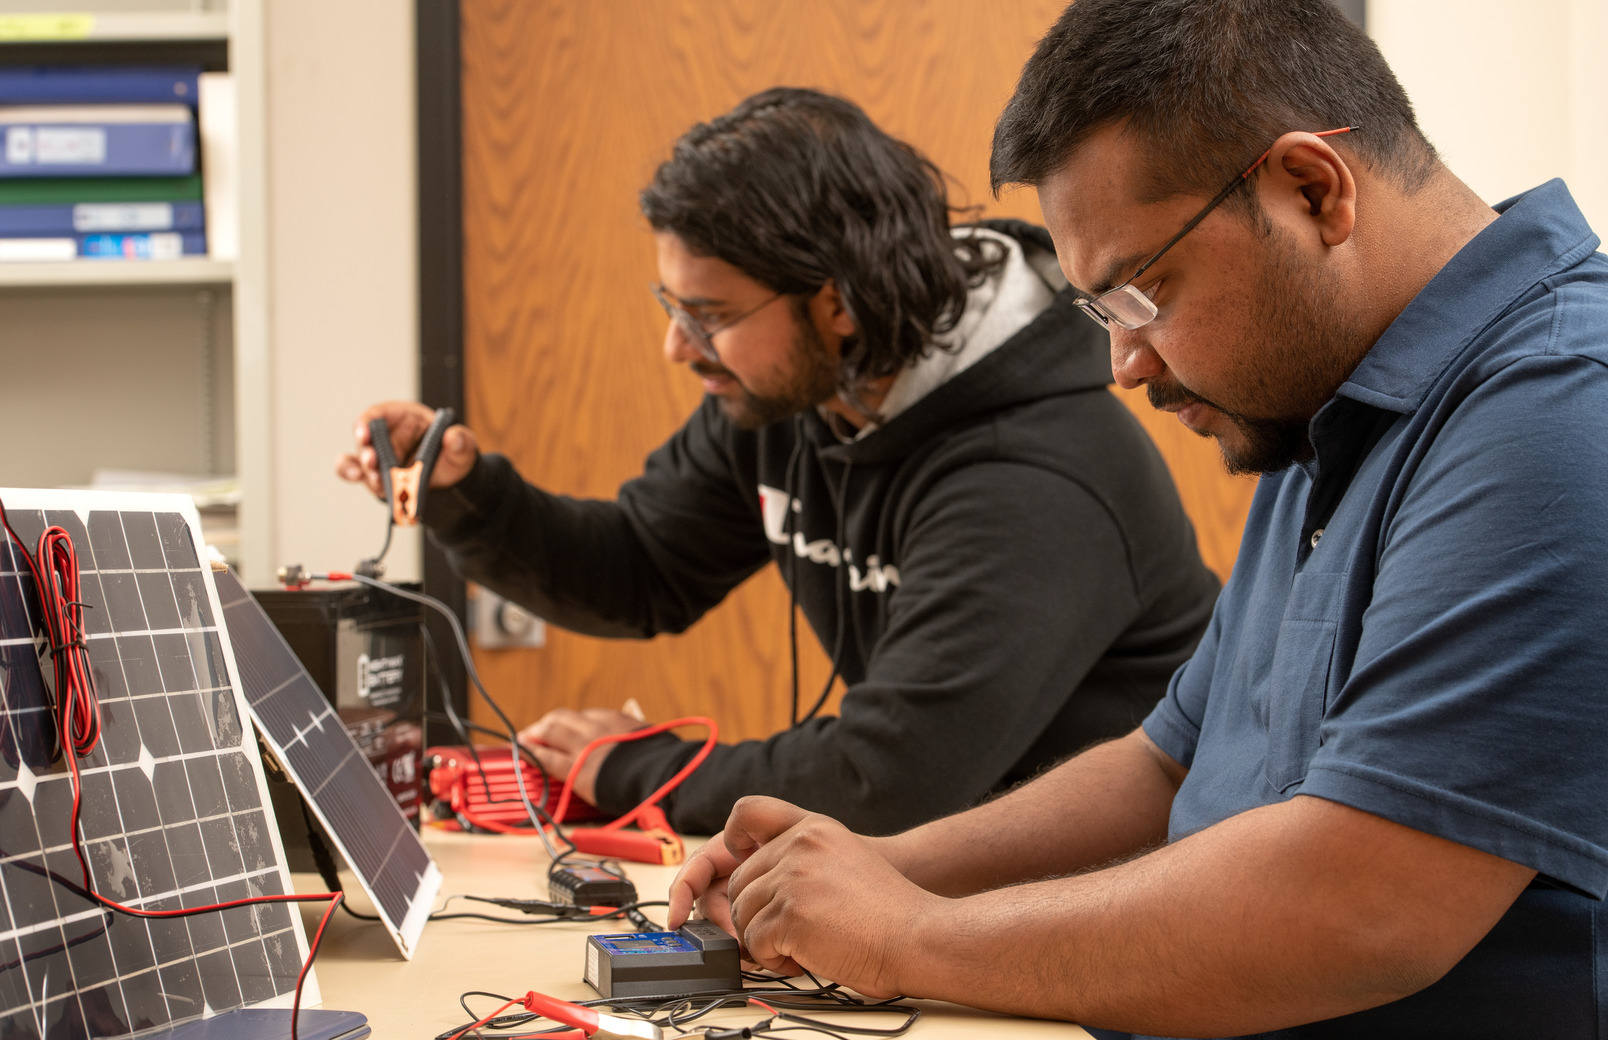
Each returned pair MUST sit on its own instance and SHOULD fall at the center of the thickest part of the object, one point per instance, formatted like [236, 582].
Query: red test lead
[587, 1022]
[593, 1023]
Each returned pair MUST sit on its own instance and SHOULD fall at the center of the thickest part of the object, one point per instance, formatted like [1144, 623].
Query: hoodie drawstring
[840, 592]
[788, 481]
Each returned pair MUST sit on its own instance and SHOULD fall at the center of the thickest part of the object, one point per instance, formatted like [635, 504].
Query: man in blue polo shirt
[1375, 801]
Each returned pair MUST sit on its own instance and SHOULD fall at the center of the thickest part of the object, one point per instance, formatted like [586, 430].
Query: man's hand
[702, 880]
[407, 421]
[802, 891]
[558, 737]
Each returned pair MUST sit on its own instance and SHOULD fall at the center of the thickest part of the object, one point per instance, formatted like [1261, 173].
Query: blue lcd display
[700, 958]
[646, 942]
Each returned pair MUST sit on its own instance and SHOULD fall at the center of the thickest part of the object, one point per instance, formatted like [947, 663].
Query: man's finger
[405, 421]
[716, 906]
[696, 875]
[560, 728]
[756, 820]
[556, 762]
[764, 934]
[348, 468]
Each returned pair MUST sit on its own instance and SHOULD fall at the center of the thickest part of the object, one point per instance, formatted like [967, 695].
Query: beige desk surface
[359, 969]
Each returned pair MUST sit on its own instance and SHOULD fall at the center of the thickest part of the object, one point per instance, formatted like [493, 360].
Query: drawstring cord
[788, 481]
[840, 591]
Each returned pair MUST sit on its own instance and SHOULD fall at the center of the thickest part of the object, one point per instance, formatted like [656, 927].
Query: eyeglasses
[703, 338]
[1125, 306]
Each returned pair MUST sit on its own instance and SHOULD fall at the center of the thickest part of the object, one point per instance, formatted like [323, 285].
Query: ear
[1309, 182]
[830, 312]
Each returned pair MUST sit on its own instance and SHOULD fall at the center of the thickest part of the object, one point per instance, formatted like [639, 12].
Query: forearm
[1103, 805]
[827, 766]
[1286, 914]
[578, 563]
[524, 543]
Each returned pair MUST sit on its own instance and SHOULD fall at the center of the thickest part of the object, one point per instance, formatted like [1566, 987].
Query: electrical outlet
[500, 624]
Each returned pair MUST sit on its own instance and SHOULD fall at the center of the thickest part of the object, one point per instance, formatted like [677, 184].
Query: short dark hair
[795, 187]
[1215, 81]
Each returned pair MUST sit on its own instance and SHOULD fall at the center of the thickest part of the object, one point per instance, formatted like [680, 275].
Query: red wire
[568, 790]
[78, 722]
[638, 734]
[614, 738]
[55, 576]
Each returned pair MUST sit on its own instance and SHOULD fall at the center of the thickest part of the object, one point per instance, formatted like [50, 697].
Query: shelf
[113, 27]
[117, 272]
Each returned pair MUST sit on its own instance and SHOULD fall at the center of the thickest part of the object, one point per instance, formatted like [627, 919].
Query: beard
[1304, 354]
[811, 378]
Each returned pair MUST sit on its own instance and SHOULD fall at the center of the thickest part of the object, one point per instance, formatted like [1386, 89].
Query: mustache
[1171, 397]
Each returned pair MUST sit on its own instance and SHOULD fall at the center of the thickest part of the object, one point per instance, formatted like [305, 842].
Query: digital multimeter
[700, 958]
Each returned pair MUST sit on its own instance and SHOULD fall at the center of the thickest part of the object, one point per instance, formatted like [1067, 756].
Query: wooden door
[567, 109]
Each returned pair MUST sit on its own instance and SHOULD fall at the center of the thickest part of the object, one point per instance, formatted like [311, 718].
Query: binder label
[19, 145]
[70, 145]
[124, 216]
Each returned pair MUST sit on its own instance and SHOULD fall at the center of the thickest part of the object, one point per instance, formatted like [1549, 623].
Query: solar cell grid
[173, 812]
[307, 735]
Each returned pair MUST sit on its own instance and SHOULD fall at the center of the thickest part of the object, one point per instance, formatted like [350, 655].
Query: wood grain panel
[567, 109]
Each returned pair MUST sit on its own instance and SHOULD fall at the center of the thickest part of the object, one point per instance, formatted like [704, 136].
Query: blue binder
[98, 84]
[97, 141]
[50, 220]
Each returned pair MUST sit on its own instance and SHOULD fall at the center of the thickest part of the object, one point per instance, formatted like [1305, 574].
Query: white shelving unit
[198, 271]
[148, 365]
[160, 25]
[255, 366]
[121, 26]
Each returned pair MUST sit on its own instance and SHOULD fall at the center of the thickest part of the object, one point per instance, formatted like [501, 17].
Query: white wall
[1509, 91]
[342, 263]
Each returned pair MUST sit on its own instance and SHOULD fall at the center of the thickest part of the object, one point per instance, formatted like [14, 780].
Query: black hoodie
[1022, 580]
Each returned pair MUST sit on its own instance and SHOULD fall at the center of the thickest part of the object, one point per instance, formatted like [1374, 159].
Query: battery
[699, 958]
[364, 649]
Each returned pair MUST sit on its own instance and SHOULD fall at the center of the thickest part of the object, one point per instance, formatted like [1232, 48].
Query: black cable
[678, 1012]
[476, 727]
[564, 913]
[839, 583]
[463, 727]
[788, 478]
[373, 563]
[537, 815]
[359, 915]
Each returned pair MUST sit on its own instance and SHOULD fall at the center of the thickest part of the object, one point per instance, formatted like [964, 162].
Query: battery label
[379, 679]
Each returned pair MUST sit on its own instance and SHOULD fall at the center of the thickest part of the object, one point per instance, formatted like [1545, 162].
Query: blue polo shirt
[1417, 625]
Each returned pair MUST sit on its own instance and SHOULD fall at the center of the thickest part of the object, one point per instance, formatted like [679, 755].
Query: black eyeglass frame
[1142, 308]
[702, 338]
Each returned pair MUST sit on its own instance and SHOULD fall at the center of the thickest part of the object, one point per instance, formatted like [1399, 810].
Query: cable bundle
[55, 578]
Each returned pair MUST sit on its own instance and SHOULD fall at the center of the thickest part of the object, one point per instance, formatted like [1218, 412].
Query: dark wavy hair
[794, 187]
[1210, 84]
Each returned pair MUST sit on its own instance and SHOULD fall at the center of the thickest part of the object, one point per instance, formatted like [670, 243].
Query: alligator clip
[595, 1025]
[405, 486]
[652, 842]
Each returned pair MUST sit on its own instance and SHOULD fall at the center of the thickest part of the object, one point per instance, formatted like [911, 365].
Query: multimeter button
[706, 935]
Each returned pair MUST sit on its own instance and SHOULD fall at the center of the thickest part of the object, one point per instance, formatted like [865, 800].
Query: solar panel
[333, 774]
[175, 809]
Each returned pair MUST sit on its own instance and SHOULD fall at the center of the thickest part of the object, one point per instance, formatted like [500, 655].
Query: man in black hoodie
[913, 424]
